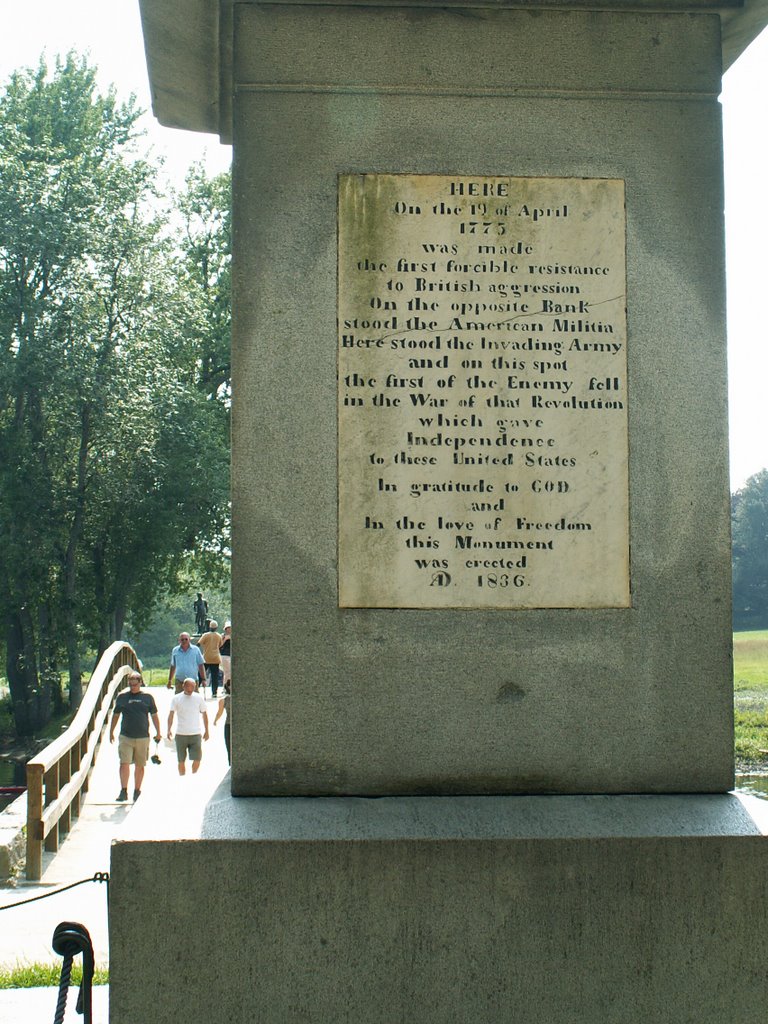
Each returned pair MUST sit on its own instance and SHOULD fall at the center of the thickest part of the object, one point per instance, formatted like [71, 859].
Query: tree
[59, 185]
[205, 206]
[749, 525]
[103, 481]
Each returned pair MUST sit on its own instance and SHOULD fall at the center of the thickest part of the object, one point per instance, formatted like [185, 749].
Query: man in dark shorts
[135, 708]
[189, 706]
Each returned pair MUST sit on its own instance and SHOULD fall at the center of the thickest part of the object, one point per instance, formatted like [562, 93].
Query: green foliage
[205, 208]
[154, 637]
[6, 716]
[114, 419]
[749, 525]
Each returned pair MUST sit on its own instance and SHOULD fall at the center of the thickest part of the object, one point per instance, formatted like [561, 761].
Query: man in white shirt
[189, 706]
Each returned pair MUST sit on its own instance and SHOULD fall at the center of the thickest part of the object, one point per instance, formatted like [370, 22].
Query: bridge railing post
[34, 821]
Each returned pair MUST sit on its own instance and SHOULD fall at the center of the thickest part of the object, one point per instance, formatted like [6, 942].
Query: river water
[753, 785]
[12, 773]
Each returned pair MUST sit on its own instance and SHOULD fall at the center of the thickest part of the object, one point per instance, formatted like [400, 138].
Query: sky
[110, 32]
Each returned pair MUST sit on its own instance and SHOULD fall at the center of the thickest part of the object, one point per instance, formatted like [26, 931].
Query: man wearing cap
[209, 643]
[186, 660]
[135, 708]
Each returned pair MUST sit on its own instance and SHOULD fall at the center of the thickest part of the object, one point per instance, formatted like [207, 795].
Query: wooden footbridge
[73, 815]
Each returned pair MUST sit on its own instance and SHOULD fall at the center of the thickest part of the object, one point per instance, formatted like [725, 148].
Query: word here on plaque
[482, 373]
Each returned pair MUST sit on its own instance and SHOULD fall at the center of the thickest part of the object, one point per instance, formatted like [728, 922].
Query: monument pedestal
[491, 909]
[480, 528]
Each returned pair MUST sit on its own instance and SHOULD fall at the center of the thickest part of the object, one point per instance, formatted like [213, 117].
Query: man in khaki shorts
[209, 643]
[135, 708]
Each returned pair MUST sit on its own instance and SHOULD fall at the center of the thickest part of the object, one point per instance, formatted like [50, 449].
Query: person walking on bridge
[186, 660]
[209, 644]
[225, 651]
[135, 708]
[189, 706]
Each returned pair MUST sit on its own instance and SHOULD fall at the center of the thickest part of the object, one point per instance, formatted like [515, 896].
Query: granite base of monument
[536, 909]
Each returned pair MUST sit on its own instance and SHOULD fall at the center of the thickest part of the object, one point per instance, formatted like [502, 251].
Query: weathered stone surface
[433, 910]
[189, 49]
[13, 838]
[378, 701]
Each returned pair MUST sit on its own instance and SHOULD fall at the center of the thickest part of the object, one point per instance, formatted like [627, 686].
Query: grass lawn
[39, 975]
[750, 699]
[155, 676]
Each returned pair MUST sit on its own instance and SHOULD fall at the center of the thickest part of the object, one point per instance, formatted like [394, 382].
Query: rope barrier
[100, 876]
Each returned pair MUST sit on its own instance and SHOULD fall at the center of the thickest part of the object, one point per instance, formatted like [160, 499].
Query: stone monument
[480, 510]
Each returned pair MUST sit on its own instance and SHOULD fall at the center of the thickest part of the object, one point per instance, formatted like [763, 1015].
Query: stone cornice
[188, 45]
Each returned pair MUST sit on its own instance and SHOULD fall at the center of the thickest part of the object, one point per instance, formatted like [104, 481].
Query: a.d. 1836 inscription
[482, 392]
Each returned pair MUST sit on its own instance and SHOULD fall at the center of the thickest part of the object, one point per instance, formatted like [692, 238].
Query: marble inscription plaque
[482, 392]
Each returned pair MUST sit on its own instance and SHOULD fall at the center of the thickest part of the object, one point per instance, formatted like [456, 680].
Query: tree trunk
[30, 700]
[70, 564]
[49, 672]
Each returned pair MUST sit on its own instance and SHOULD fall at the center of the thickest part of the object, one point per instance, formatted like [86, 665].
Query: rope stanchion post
[69, 939]
[61, 1001]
